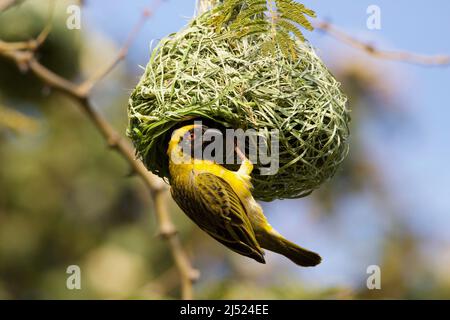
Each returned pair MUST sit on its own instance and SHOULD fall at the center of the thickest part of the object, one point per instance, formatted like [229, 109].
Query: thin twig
[402, 56]
[23, 55]
[87, 85]
[40, 39]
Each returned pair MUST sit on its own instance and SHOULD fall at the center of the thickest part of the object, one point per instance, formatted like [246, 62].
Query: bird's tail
[273, 241]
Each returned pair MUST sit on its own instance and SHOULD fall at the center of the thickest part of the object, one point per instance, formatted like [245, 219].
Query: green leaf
[244, 18]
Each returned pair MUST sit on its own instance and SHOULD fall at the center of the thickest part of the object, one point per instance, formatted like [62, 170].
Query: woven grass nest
[197, 74]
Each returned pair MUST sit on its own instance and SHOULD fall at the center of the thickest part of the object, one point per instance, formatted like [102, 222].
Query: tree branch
[402, 56]
[23, 55]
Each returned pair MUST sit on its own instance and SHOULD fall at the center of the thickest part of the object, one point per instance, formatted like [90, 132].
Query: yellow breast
[239, 183]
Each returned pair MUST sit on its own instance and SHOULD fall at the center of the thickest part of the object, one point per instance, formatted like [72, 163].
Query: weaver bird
[220, 202]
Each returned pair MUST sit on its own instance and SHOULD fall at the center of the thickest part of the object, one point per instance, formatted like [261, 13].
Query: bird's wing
[217, 209]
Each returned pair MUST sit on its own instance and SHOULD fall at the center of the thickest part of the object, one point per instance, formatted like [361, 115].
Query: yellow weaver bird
[220, 202]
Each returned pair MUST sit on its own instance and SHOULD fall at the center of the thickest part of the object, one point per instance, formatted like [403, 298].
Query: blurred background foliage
[60, 52]
[66, 199]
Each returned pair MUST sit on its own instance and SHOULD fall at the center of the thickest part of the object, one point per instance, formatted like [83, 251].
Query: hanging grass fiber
[198, 74]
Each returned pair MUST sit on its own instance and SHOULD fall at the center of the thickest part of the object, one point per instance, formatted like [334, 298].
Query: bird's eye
[189, 136]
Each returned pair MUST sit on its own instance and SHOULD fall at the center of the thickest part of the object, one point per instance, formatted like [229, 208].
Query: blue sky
[415, 161]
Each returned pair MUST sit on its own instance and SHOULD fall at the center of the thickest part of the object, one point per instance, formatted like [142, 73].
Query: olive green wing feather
[214, 206]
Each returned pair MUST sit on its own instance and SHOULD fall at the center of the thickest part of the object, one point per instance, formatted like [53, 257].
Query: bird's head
[186, 138]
